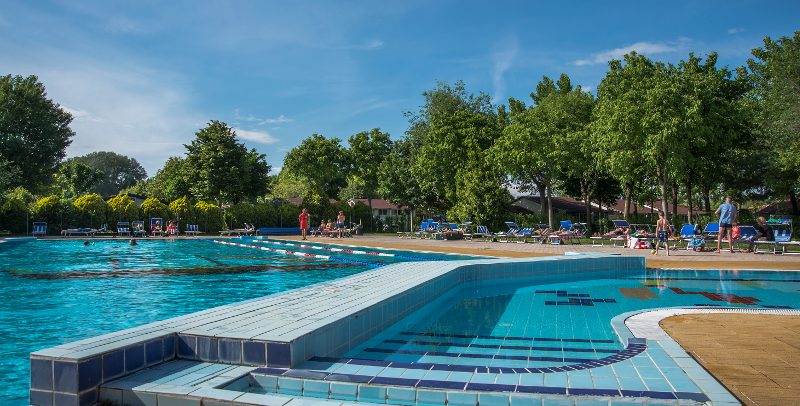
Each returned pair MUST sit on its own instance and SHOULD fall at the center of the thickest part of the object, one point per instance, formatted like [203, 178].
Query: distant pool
[58, 291]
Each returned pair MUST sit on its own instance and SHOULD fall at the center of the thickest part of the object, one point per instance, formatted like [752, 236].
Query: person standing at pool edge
[727, 218]
[304, 223]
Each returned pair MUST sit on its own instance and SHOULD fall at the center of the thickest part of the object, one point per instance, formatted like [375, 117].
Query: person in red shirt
[304, 223]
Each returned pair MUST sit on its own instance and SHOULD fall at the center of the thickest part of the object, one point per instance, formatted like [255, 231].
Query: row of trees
[686, 133]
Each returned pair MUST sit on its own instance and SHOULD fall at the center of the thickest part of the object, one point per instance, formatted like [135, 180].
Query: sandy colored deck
[680, 258]
[756, 357]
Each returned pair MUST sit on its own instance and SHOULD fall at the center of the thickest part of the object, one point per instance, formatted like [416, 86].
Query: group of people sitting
[331, 229]
[172, 228]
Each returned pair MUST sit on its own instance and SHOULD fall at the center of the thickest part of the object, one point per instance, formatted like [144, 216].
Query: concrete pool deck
[678, 259]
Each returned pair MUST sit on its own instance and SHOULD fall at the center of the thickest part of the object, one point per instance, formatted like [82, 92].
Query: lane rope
[349, 251]
[299, 254]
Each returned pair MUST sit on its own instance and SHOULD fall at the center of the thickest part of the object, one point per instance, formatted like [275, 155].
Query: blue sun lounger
[39, 228]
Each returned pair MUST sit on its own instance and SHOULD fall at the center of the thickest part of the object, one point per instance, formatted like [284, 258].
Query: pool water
[54, 292]
[535, 324]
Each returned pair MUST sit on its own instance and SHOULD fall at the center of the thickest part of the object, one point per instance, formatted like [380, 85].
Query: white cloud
[645, 48]
[735, 30]
[368, 45]
[280, 119]
[262, 137]
[82, 115]
[502, 61]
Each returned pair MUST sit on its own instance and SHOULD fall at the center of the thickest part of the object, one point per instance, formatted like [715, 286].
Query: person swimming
[133, 242]
[86, 243]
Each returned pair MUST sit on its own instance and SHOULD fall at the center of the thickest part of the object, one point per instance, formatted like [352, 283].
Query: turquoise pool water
[54, 292]
[536, 324]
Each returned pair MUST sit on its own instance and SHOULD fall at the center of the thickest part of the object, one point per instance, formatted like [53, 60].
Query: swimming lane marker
[299, 254]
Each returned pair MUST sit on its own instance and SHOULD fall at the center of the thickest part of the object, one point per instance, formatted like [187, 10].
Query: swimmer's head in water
[133, 242]
[86, 243]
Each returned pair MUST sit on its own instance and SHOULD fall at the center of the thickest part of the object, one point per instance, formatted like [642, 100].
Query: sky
[141, 77]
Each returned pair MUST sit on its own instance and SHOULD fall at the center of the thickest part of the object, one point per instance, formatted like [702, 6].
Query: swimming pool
[535, 324]
[59, 291]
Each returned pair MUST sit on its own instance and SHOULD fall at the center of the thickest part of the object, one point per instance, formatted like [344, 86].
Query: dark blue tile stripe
[501, 347]
[569, 340]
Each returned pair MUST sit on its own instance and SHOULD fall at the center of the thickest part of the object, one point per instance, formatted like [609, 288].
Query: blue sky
[142, 77]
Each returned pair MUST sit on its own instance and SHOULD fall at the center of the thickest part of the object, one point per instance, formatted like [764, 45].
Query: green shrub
[122, 208]
[92, 209]
[14, 216]
[241, 213]
[288, 215]
[266, 215]
[183, 212]
[48, 209]
[209, 217]
[153, 208]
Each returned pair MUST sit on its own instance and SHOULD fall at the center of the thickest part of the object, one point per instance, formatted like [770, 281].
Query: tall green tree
[527, 152]
[34, 131]
[219, 167]
[368, 150]
[323, 162]
[120, 171]
[78, 178]
[776, 73]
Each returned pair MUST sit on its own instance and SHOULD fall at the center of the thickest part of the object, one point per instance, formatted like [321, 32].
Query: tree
[92, 205]
[78, 179]
[120, 171]
[527, 152]
[321, 161]
[287, 185]
[217, 166]
[34, 131]
[776, 74]
[368, 151]
[123, 208]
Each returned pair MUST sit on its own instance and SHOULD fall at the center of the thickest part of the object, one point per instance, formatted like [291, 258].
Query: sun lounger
[137, 229]
[153, 230]
[783, 238]
[123, 227]
[191, 229]
[482, 232]
[89, 232]
[39, 228]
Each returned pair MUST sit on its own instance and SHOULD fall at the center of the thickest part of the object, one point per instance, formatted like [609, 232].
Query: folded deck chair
[191, 229]
[39, 228]
[482, 232]
[137, 229]
[123, 227]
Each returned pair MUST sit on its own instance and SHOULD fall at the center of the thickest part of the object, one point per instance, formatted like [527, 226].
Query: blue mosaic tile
[90, 373]
[207, 349]
[700, 397]
[113, 365]
[299, 373]
[187, 346]
[42, 374]
[254, 353]
[65, 377]
[594, 392]
[153, 353]
[170, 349]
[89, 398]
[372, 394]
[541, 389]
[379, 380]
[41, 398]
[401, 396]
[279, 355]
[348, 378]
[269, 371]
[411, 365]
[134, 359]
[431, 398]
[490, 387]
[230, 351]
[441, 384]
[462, 399]
[65, 399]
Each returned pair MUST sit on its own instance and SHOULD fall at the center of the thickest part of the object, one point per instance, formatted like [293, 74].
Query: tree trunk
[662, 181]
[371, 215]
[542, 203]
[674, 200]
[706, 199]
[689, 201]
[550, 214]
[628, 196]
[793, 200]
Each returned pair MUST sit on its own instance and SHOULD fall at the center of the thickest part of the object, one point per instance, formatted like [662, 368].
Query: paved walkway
[756, 357]
[680, 258]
